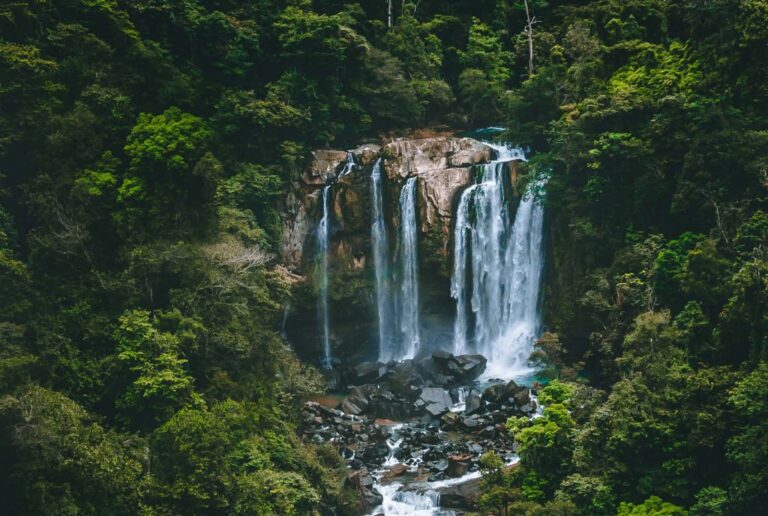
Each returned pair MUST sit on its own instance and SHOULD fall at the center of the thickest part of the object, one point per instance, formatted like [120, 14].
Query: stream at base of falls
[413, 497]
[428, 461]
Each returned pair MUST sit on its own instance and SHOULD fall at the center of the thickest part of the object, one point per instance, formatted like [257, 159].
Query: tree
[60, 460]
[170, 178]
[545, 447]
[157, 382]
[748, 448]
[653, 506]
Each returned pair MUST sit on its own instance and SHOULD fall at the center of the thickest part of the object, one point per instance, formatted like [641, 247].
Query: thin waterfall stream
[322, 276]
[381, 266]
[408, 301]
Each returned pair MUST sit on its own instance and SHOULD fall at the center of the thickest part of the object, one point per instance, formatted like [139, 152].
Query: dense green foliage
[652, 116]
[144, 149]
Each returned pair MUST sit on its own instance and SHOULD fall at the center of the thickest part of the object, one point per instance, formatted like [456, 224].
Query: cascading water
[322, 276]
[381, 266]
[497, 270]
[408, 301]
[350, 166]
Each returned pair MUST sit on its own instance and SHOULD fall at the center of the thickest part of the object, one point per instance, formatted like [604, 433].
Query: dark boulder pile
[427, 415]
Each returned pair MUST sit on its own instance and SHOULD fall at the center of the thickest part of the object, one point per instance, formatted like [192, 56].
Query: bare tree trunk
[529, 30]
[389, 14]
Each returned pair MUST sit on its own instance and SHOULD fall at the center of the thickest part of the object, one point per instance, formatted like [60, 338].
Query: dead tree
[530, 21]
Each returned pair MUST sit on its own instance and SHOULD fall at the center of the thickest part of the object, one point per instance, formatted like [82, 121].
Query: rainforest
[323, 257]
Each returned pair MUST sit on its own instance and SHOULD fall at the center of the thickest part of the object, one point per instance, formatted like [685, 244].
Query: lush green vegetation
[652, 115]
[144, 149]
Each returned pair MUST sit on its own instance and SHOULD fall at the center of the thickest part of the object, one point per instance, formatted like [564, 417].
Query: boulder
[362, 482]
[470, 366]
[500, 393]
[437, 409]
[366, 372]
[355, 403]
[522, 398]
[461, 496]
[438, 401]
[442, 358]
[450, 420]
[403, 376]
[395, 471]
[458, 465]
[448, 369]
[366, 155]
[474, 401]
[471, 423]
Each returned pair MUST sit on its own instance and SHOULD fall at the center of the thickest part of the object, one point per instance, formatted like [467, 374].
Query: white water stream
[322, 276]
[408, 299]
[498, 264]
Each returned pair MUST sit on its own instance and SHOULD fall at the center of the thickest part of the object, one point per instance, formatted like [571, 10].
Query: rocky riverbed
[413, 432]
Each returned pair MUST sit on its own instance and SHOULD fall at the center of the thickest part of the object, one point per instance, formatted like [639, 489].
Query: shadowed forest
[147, 148]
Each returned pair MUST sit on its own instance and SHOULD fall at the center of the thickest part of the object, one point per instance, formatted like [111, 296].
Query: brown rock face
[407, 158]
[324, 165]
[443, 168]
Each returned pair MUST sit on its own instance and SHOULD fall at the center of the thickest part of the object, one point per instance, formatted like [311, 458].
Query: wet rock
[500, 393]
[438, 401]
[376, 453]
[488, 432]
[429, 421]
[461, 496]
[355, 403]
[362, 482]
[522, 398]
[450, 420]
[442, 380]
[470, 366]
[471, 423]
[388, 406]
[442, 358]
[366, 372]
[332, 379]
[475, 448]
[458, 465]
[403, 376]
[396, 471]
[440, 465]
[474, 401]
[379, 432]
[436, 395]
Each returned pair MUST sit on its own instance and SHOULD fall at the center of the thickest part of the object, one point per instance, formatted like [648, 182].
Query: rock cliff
[444, 166]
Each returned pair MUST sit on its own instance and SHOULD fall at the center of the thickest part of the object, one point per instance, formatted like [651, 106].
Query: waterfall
[322, 276]
[350, 165]
[409, 282]
[497, 270]
[381, 266]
